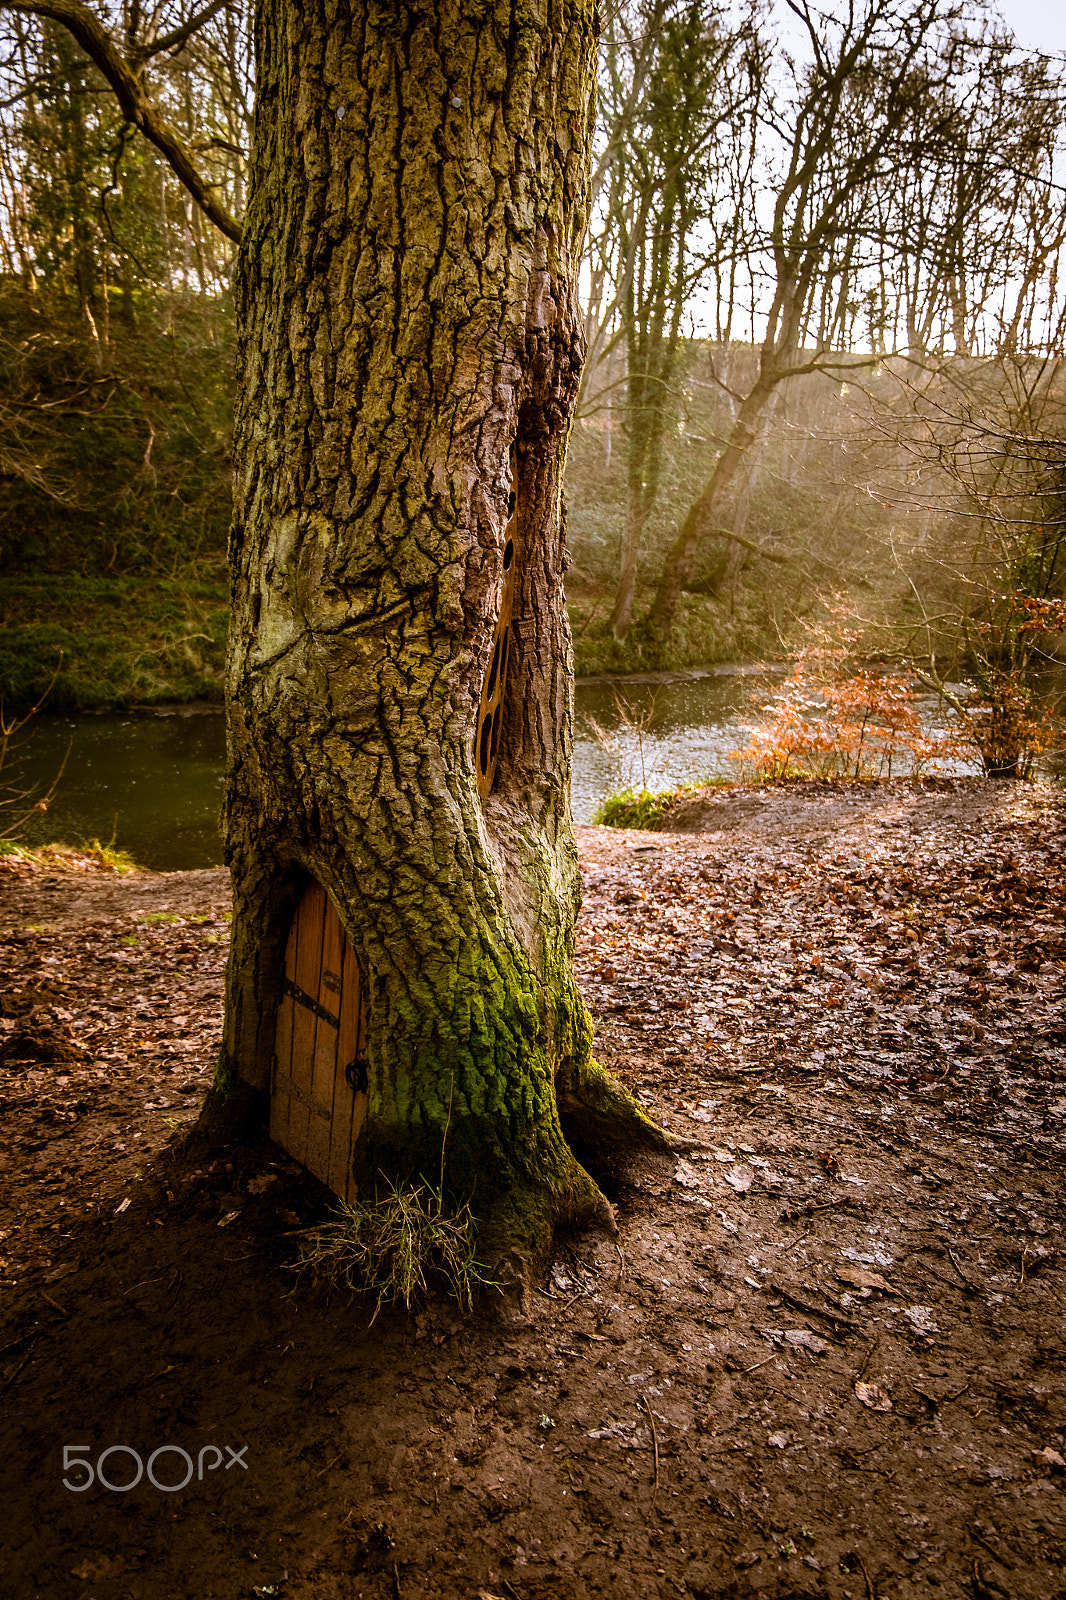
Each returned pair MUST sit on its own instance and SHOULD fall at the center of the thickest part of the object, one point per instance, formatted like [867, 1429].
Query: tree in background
[73, 172]
[843, 122]
[888, 188]
[116, 353]
[675, 87]
[984, 556]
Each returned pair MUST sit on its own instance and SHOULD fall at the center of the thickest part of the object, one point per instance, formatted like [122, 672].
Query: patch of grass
[70, 858]
[110, 858]
[639, 808]
[396, 1247]
[635, 808]
[160, 916]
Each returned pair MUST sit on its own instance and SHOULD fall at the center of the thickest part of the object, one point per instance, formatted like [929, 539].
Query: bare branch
[179, 35]
[136, 104]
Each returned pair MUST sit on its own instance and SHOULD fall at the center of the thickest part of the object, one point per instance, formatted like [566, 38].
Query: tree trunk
[632, 539]
[706, 514]
[408, 330]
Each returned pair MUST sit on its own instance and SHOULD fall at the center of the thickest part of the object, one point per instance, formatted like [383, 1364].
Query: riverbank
[113, 643]
[151, 781]
[140, 641]
[825, 1359]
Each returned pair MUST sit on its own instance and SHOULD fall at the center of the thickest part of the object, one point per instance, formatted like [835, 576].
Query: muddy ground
[825, 1358]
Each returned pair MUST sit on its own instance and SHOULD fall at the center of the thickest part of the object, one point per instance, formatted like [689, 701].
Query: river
[151, 783]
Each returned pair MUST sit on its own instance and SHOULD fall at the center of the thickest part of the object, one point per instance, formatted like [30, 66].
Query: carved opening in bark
[490, 709]
[318, 1087]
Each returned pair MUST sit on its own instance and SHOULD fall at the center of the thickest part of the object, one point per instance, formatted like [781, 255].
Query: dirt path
[826, 1360]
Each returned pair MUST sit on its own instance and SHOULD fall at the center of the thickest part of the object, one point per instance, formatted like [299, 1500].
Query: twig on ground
[837, 1318]
[980, 1538]
[866, 1362]
[1024, 1260]
[9, 1381]
[871, 1592]
[13, 1344]
[655, 1448]
[968, 1281]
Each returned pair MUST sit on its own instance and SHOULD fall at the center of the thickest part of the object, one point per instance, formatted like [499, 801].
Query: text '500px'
[77, 1458]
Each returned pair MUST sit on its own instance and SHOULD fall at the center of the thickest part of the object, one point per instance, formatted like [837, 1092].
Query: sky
[1037, 24]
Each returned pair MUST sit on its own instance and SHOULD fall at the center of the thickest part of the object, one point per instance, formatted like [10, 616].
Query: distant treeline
[866, 217]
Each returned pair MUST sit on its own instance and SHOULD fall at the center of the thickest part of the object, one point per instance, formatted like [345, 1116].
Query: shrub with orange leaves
[862, 725]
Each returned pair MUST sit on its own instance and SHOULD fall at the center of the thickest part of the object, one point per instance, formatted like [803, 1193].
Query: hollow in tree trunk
[409, 338]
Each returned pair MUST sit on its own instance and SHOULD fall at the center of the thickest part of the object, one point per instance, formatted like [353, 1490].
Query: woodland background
[823, 407]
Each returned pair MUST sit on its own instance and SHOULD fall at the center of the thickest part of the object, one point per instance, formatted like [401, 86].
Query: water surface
[152, 783]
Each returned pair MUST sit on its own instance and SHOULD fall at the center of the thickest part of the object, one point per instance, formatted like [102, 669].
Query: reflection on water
[154, 783]
[151, 783]
[653, 735]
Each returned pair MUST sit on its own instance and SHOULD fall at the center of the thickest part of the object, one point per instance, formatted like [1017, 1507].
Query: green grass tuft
[397, 1247]
[635, 808]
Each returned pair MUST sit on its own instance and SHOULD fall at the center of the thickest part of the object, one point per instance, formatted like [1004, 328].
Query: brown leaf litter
[877, 978]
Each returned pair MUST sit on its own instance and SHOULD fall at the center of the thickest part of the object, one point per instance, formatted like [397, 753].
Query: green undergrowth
[641, 808]
[397, 1247]
[115, 498]
[74, 858]
[105, 643]
[635, 808]
[116, 448]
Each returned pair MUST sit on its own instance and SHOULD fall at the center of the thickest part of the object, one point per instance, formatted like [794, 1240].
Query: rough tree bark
[408, 326]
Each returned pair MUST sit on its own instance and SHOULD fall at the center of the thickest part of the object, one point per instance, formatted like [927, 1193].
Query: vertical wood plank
[312, 919]
[282, 1075]
[327, 991]
[361, 1047]
[345, 1098]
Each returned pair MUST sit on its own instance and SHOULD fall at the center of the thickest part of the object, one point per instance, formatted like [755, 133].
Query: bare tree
[977, 462]
[675, 84]
[841, 129]
[124, 53]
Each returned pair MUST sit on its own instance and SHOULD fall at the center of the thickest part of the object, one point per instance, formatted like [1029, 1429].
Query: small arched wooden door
[318, 1088]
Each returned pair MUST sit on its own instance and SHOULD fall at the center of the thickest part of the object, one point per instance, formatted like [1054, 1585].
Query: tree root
[610, 1141]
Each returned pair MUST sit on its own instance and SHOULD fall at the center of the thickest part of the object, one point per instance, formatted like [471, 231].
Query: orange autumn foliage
[861, 726]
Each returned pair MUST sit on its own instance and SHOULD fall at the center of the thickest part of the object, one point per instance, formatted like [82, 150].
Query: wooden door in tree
[490, 711]
[318, 1091]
